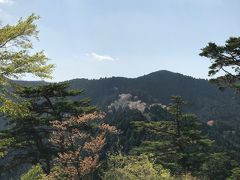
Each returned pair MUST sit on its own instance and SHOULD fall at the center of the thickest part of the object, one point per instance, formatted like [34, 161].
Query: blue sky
[130, 38]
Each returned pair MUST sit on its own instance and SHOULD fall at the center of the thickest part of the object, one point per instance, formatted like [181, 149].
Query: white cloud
[6, 2]
[98, 57]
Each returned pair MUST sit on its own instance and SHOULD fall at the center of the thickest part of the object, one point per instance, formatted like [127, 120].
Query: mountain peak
[162, 73]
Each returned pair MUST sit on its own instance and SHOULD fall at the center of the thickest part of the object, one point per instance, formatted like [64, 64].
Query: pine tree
[177, 142]
[224, 60]
[30, 134]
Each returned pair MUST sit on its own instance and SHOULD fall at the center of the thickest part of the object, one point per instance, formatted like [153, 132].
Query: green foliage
[31, 133]
[217, 167]
[178, 142]
[157, 112]
[35, 173]
[18, 59]
[133, 168]
[60, 175]
[224, 59]
[3, 143]
[15, 43]
[235, 174]
[127, 139]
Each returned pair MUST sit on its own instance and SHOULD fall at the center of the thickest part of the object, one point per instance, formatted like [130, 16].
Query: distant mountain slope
[203, 98]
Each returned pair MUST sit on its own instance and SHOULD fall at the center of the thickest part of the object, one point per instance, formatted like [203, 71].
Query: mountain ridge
[203, 98]
[149, 74]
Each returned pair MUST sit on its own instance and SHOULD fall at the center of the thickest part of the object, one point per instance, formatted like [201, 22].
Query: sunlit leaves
[17, 59]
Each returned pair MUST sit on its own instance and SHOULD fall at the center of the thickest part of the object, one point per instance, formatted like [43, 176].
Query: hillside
[203, 98]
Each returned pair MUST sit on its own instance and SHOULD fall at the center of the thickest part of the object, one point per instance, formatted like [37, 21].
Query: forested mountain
[117, 95]
[203, 98]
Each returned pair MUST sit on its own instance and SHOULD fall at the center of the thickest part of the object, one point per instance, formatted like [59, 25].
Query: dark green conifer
[29, 134]
[177, 142]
